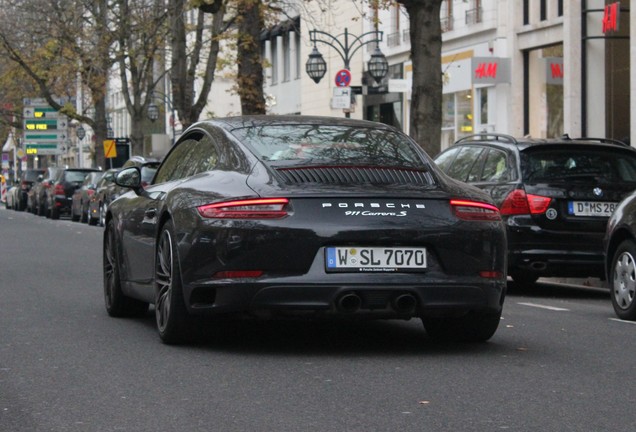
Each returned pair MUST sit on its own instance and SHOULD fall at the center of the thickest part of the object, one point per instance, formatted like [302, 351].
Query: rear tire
[116, 302]
[55, 213]
[623, 280]
[524, 279]
[173, 320]
[472, 327]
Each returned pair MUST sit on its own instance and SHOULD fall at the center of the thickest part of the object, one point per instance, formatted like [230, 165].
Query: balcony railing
[473, 16]
[393, 39]
[406, 35]
[447, 23]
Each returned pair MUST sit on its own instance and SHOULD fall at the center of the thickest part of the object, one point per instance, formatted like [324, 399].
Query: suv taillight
[518, 202]
[59, 189]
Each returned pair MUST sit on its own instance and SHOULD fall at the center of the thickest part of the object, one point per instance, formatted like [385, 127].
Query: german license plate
[375, 259]
[591, 208]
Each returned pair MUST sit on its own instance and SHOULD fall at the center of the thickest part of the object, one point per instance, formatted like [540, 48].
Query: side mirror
[129, 178]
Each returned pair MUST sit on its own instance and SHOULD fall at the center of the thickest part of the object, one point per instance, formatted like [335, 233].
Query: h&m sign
[611, 17]
[490, 70]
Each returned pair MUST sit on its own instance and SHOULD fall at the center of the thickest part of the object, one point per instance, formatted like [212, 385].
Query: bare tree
[195, 52]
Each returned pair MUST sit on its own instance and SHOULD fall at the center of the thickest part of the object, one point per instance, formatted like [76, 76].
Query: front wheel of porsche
[623, 281]
[173, 320]
[116, 302]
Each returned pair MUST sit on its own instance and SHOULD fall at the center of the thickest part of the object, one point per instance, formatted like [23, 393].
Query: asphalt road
[559, 361]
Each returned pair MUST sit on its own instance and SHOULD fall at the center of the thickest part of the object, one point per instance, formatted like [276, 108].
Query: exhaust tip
[349, 303]
[404, 304]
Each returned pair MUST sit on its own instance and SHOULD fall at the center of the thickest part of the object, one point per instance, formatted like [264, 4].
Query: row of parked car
[569, 206]
[81, 193]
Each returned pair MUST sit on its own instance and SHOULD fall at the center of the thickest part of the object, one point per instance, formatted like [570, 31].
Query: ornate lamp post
[316, 66]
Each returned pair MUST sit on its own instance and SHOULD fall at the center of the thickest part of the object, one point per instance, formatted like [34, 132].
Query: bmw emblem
[598, 191]
[551, 214]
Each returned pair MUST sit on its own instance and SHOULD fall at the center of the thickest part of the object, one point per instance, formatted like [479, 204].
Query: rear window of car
[32, 175]
[330, 144]
[577, 163]
[75, 176]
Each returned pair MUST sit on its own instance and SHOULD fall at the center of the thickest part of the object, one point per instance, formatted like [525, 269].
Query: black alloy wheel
[623, 280]
[116, 302]
[173, 321]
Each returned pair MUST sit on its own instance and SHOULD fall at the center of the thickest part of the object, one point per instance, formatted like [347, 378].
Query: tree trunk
[250, 66]
[426, 96]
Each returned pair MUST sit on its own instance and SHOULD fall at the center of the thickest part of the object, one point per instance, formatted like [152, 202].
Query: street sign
[341, 98]
[38, 149]
[110, 150]
[343, 78]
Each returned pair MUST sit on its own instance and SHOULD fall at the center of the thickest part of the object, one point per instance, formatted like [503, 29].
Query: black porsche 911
[320, 217]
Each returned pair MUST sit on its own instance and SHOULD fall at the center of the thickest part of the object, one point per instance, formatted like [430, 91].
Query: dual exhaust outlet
[402, 304]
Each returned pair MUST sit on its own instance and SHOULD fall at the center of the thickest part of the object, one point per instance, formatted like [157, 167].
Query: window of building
[457, 117]
[286, 57]
[543, 13]
[274, 60]
[544, 95]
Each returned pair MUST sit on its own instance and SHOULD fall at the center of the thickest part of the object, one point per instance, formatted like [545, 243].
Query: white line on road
[622, 321]
[543, 306]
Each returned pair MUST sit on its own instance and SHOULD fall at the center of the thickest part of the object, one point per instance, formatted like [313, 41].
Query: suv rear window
[570, 164]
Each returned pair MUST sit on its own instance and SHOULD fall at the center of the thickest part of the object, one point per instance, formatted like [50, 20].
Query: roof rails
[602, 140]
[489, 136]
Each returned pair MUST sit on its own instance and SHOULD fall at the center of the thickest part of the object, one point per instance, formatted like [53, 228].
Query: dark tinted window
[190, 157]
[465, 165]
[329, 143]
[601, 164]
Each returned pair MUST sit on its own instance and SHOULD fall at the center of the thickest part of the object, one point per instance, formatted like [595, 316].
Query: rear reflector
[475, 210]
[491, 274]
[260, 208]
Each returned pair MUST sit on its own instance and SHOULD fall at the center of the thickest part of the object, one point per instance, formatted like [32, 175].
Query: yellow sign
[110, 150]
[31, 150]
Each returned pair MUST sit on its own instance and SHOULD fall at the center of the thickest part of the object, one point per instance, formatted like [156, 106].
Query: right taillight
[518, 202]
[59, 189]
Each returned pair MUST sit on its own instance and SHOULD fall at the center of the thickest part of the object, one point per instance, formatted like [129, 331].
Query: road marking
[543, 307]
[622, 321]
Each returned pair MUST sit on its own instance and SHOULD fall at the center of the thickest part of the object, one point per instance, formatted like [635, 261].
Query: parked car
[327, 217]
[82, 196]
[105, 192]
[620, 258]
[59, 196]
[555, 196]
[27, 178]
[36, 202]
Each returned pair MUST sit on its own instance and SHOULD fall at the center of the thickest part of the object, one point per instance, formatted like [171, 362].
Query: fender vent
[354, 175]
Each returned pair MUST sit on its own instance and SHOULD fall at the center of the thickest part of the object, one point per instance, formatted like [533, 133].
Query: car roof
[523, 143]
[230, 123]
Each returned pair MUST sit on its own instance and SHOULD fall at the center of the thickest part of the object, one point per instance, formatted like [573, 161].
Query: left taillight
[258, 208]
[474, 210]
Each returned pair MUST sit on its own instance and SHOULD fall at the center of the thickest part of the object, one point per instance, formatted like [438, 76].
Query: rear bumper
[360, 300]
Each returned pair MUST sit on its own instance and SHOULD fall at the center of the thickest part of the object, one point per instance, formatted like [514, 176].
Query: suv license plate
[375, 259]
[591, 208]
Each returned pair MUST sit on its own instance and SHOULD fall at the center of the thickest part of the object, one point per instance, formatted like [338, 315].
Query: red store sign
[490, 70]
[610, 17]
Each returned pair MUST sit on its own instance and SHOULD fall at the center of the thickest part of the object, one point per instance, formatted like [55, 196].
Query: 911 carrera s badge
[388, 209]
